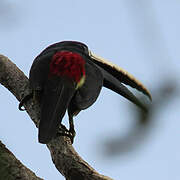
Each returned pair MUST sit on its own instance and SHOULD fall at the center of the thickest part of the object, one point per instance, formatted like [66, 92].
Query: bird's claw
[24, 100]
[73, 134]
[63, 131]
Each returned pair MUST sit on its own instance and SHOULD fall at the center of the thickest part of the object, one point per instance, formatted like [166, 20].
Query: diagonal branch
[65, 158]
[11, 168]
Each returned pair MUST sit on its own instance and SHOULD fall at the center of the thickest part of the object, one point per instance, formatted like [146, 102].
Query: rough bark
[65, 158]
[11, 168]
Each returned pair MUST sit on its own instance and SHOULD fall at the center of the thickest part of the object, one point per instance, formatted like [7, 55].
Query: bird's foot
[73, 134]
[24, 100]
[63, 131]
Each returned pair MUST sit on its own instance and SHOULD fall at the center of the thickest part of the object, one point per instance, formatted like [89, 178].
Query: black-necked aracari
[67, 76]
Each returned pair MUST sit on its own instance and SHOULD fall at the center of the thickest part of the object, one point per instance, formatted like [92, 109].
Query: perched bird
[67, 76]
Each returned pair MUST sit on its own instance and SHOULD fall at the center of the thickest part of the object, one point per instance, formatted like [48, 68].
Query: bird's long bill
[119, 73]
[112, 83]
[55, 100]
[125, 92]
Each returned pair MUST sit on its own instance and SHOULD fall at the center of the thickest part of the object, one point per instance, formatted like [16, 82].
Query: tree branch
[65, 158]
[11, 168]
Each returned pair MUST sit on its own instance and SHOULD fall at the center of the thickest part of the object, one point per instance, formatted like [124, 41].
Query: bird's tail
[55, 100]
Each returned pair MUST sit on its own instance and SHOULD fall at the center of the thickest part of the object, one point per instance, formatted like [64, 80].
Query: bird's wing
[87, 94]
[39, 71]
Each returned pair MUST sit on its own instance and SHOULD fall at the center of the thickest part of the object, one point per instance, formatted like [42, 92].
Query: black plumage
[58, 94]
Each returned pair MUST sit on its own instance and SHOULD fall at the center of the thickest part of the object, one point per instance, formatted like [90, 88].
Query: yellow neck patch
[81, 82]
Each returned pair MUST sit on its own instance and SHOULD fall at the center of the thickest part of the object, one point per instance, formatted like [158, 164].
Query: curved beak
[120, 74]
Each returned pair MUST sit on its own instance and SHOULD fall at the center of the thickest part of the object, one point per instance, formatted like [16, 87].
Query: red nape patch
[69, 64]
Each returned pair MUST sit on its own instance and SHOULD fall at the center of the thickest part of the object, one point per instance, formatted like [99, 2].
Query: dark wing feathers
[89, 92]
[39, 71]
